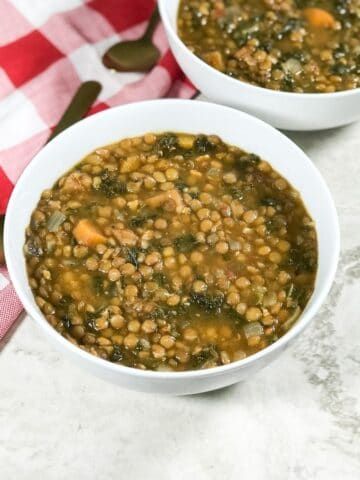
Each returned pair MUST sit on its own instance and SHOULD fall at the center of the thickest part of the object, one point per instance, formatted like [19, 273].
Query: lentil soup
[171, 252]
[290, 45]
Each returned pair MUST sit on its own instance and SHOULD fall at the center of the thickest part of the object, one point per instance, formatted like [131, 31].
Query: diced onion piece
[292, 66]
[269, 299]
[55, 220]
[292, 319]
[213, 172]
[161, 198]
[253, 329]
[234, 245]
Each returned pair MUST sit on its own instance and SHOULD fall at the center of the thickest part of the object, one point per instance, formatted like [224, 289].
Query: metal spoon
[135, 55]
[82, 100]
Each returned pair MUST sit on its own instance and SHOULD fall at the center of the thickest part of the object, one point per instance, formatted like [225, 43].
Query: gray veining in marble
[299, 419]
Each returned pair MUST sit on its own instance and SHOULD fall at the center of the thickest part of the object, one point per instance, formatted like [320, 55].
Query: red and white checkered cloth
[47, 48]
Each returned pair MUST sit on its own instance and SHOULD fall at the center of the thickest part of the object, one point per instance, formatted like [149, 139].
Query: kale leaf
[143, 217]
[180, 185]
[66, 322]
[202, 145]
[34, 249]
[270, 202]
[207, 354]
[185, 243]
[117, 354]
[161, 279]
[243, 161]
[168, 144]
[209, 303]
[235, 192]
[110, 186]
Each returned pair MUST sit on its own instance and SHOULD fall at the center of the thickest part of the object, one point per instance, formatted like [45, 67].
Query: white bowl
[289, 111]
[232, 126]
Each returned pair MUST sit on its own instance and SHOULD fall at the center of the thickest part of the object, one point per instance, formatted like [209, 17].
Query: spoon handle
[154, 20]
[84, 97]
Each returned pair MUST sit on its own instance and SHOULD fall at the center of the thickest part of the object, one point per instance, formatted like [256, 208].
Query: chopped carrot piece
[88, 234]
[317, 17]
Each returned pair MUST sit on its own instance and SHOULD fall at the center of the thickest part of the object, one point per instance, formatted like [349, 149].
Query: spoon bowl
[132, 56]
[135, 55]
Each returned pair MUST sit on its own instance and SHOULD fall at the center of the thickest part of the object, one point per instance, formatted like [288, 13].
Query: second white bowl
[289, 111]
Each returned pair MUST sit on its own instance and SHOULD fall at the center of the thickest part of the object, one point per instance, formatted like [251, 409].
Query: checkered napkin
[47, 48]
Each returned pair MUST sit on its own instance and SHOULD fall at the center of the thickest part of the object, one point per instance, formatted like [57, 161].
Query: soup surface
[291, 45]
[171, 252]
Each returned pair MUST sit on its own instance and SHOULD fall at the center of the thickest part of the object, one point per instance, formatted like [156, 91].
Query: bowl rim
[99, 363]
[235, 82]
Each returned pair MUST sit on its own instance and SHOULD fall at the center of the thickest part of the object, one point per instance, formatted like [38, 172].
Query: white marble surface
[299, 419]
